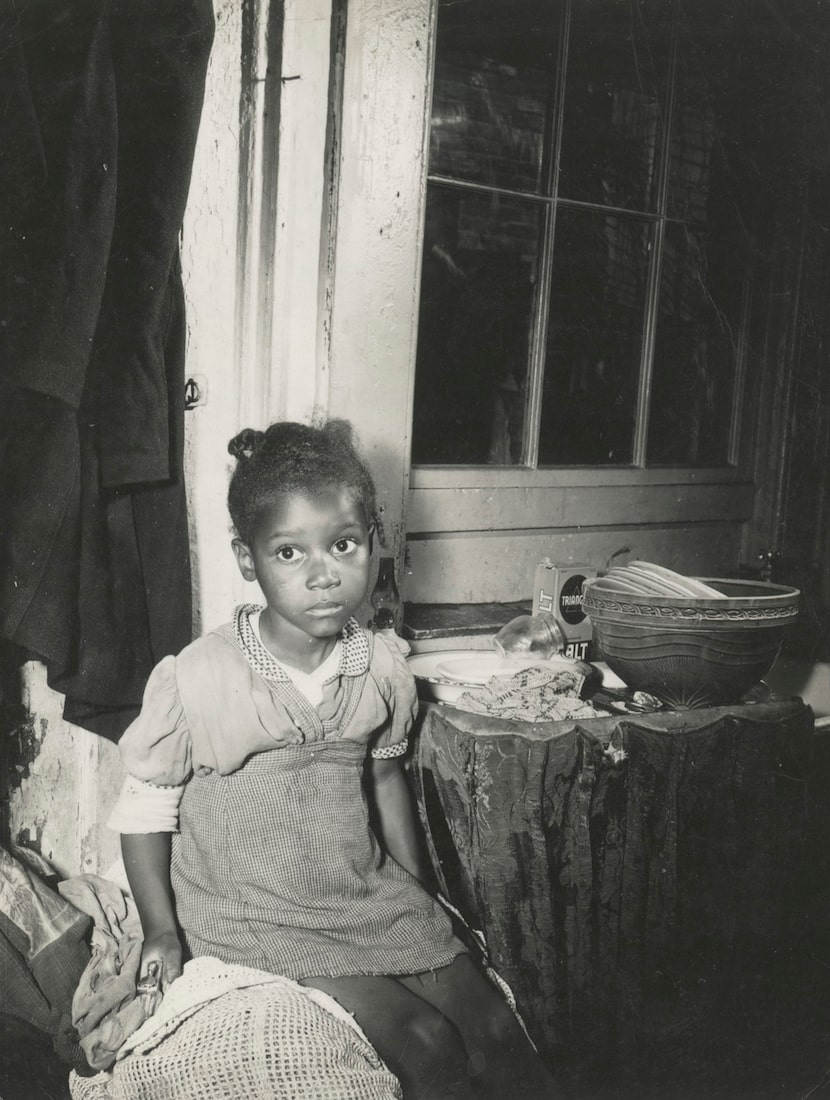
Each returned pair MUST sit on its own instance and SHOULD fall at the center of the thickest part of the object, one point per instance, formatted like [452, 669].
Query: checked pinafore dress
[275, 865]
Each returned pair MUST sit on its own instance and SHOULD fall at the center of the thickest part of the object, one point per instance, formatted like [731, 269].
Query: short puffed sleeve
[394, 680]
[156, 748]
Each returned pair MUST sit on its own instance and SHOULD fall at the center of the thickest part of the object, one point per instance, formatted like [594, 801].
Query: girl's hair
[295, 458]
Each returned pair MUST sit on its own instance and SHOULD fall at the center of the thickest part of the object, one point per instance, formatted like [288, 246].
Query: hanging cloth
[99, 112]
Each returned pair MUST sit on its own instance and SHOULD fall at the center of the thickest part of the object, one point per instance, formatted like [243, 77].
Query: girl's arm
[395, 817]
[147, 863]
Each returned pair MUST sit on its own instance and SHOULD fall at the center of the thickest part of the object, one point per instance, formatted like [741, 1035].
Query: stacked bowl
[691, 642]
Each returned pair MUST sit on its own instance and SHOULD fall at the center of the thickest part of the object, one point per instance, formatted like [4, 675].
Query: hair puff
[289, 457]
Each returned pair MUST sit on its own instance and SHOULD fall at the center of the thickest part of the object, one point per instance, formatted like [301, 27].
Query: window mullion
[644, 388]
[649, 334]
[539, 325]
[738, 386]
[538, 342]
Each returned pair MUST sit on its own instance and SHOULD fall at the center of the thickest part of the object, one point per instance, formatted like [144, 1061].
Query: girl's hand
[164, 949]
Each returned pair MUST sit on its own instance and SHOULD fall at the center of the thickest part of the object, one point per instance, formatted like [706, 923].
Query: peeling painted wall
[62, 782]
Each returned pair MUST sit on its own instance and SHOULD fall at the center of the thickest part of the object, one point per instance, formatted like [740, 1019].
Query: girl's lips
[321, 610]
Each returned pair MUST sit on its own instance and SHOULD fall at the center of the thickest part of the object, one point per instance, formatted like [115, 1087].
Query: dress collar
[354, 651]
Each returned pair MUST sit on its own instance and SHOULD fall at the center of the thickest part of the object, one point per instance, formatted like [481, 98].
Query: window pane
[597, 307]
[727, 91]
[704, 260]
[491, 94]
[695, 150]
[612, 130]
[479, 271]
[696, 345]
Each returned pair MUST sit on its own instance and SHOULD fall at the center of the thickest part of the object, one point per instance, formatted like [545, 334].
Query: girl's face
[310, 555]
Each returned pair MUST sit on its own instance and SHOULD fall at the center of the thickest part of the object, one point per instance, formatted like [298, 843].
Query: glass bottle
[385, 598]
[538, 636]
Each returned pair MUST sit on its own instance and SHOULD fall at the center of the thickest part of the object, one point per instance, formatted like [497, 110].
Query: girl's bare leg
[413, 1037]
[500, 1057]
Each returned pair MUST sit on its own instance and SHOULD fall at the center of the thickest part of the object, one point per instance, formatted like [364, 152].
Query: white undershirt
[310, 684]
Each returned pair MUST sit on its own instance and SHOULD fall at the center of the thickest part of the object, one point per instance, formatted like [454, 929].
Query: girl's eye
[345, 546]
[288, 553]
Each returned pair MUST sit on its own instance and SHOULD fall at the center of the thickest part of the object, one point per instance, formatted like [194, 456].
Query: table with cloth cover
[622, 869]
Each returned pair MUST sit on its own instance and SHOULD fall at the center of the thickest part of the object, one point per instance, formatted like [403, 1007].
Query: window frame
[528, 472]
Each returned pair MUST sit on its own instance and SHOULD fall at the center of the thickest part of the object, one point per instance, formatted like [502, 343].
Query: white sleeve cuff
[145, 808]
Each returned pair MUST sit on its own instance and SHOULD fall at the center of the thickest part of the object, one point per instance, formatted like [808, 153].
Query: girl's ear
[244, 559]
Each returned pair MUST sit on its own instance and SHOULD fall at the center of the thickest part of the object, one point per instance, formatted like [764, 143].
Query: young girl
[245, 817]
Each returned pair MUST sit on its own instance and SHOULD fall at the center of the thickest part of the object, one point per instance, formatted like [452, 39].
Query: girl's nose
[323, 573]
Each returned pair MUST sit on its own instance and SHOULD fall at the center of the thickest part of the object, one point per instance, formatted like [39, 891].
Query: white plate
[431, 685]
[478, 668]
[437, 672]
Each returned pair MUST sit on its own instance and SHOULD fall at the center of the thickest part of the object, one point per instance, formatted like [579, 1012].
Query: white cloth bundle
[240, 1034]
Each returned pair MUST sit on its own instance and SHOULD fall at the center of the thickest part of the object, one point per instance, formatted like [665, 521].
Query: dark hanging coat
[99, 111]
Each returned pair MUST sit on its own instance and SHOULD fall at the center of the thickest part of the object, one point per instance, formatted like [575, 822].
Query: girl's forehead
[329, 504]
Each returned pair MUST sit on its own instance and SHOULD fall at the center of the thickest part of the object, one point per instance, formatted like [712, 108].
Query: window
[582, 293]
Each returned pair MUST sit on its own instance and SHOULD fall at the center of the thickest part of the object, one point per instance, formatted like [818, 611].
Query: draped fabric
[43, 953]
[99, 111]
[630, 874]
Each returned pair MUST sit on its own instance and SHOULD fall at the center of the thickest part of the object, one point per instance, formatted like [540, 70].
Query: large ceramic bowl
[692, 652]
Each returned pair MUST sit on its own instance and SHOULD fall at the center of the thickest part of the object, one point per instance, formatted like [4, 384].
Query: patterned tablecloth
[622, 869]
